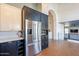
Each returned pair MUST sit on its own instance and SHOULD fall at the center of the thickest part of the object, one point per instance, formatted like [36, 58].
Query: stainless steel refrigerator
[33, 37]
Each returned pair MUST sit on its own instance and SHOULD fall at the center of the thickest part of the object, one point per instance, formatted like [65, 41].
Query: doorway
[52, 24]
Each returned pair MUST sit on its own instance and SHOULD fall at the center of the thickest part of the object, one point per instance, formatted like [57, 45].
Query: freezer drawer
[33, 49]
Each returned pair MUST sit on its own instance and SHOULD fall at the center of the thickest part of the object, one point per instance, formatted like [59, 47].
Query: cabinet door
[12, 48]
[42, 21]
[35, 15]
[46, 21]
[44, 42]
[27, 13]
[4, 50]
[10, 18]
[9, 49]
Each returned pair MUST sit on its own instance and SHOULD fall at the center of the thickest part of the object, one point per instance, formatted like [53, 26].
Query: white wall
[49, 6]
[20, 5]
[69, 12]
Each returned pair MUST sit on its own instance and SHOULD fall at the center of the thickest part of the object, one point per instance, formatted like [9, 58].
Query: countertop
[11, 38]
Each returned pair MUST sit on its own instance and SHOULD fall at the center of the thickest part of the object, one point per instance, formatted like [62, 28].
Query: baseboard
[73, 41]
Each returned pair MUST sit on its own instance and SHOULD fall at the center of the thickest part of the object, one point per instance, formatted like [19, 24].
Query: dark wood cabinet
[8, 48]
[44, 30]
[32, 14]
[39, 17]
[35, 15]
[44, 42]
[27, 13]
[12, 48]
[44, 21]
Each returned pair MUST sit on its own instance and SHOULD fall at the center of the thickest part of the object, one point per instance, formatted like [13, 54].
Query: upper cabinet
[10, 18]
[44, 20]
[32, 14]
[27, 13]
[35, 15]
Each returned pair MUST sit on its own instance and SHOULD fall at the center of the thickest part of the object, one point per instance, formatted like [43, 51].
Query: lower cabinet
[44, 42]
[13, 48]
[66, 36]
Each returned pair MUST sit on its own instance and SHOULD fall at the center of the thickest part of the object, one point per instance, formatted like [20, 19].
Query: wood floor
[61, 48]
